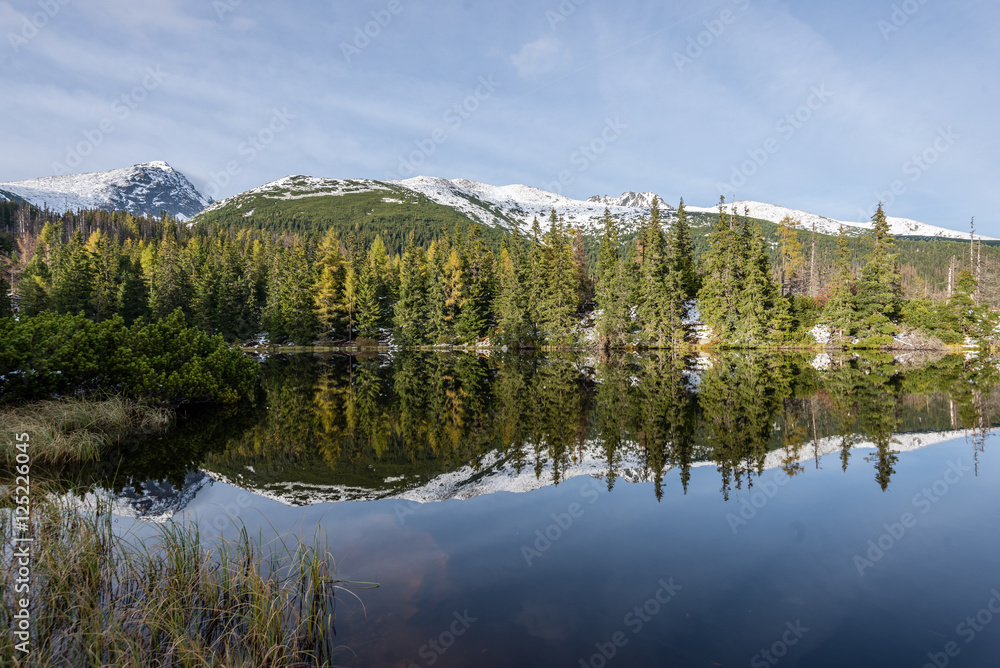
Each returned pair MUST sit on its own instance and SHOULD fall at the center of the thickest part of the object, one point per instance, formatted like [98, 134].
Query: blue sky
[821, 106]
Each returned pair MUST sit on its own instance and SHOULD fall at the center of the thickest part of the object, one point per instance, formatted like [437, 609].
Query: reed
[101, 597]
[77, 430]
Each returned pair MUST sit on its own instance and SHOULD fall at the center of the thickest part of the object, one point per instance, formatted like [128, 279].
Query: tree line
[531, 290]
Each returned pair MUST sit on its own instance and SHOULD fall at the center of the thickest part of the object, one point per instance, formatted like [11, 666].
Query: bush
[164, 361]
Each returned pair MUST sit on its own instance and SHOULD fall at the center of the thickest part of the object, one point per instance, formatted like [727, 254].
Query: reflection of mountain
[429, 426]
[433, 426]
[497, 475]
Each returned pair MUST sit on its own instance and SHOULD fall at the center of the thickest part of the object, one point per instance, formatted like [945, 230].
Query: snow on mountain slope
[824, 225]
[495, 473]
[507, 206]
[495, 206]
[148, 188]
[298, 186]
[523, 203]
[631, 199]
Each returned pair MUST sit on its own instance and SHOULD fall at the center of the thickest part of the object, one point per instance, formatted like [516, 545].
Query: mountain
[429, 199]
[824, 225]
[501, 208]
[148, 188]
[629, 199]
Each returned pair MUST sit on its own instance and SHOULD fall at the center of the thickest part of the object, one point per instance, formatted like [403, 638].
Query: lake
[639, 510]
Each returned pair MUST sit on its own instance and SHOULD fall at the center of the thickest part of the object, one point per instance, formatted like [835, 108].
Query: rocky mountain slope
[149, 188]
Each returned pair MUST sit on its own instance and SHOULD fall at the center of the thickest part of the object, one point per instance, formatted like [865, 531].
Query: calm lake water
[562, 510]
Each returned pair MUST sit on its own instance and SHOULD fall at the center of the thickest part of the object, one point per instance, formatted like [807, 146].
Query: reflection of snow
[497, 474]
[821, 362]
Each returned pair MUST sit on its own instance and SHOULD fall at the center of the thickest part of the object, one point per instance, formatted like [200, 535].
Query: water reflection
[447, 424]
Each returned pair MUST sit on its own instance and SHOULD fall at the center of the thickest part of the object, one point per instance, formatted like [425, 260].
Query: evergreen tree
[73, 278]
[879, 287]
[721, 282]
[510, 305]
[170, 287]
[105, 255]
[368, 308]
[613, 323]
[838, 312]
[34, 286]
[791, 261]
[328, 291]
[408, 317]
[680, 253]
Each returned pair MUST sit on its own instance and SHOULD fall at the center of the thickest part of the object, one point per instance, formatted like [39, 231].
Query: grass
[101, 598]
[76, 430]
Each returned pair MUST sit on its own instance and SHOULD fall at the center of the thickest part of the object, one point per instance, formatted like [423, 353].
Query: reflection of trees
[355, 421]
[739, 398]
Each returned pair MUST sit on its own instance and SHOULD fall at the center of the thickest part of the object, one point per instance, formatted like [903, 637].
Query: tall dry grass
[103, 598]
[76, 430]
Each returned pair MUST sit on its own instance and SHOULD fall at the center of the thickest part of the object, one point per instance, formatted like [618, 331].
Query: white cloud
[541, 56]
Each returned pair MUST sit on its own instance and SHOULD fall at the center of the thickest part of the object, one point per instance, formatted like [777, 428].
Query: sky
[828, 107]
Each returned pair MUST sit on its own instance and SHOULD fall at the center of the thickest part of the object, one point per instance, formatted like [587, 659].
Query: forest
[461, 286]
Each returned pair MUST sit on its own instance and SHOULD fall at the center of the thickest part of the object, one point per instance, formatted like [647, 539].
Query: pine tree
[613, 322]
[510, 304]
[791, 261]
[838, 312]
[105, 255]
[408, 316]
[680, 253]
[879, 287]
[73, 278]
[170, 287]
[368, 308]
[328, 291]
[721, 282]
[35, 284]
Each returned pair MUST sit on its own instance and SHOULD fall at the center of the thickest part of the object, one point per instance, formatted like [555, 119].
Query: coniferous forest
[548, 288]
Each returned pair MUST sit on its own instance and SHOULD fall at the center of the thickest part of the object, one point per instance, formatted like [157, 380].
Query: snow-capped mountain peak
[632, 199]
[824, 225]
[148, 188]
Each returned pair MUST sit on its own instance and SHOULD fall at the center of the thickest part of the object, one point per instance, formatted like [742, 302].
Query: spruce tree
[613, 322]
[721, 284]
[680, 253]
[73, 278]
[328, 291]
[408, 316]
[879, 286]
[838, 312]
[369, 309]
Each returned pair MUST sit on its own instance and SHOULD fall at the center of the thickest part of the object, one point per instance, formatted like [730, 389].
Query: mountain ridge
[147, 188]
